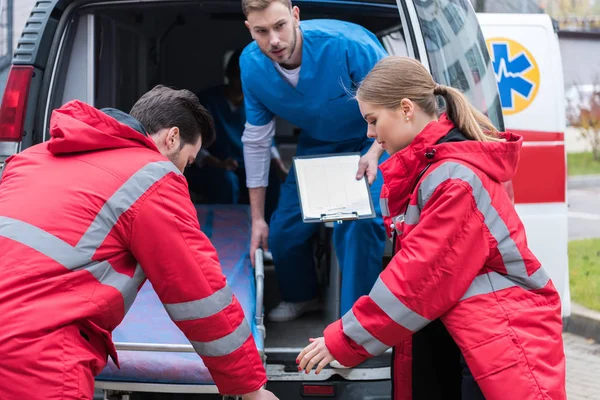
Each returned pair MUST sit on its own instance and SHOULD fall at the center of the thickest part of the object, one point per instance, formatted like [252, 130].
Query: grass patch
[582, 164]
[584, 272]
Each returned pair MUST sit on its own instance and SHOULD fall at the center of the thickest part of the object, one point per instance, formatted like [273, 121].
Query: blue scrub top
[336, 56]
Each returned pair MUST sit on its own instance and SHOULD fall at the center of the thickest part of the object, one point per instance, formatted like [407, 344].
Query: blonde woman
[462, 259]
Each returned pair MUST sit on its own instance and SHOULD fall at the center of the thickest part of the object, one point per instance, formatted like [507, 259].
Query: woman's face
[392, 128]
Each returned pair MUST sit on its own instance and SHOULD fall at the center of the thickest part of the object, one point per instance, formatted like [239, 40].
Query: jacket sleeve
[439, 259]
[184, 270]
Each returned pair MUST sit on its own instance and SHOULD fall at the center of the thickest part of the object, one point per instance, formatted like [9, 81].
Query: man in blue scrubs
[300, 72]
[218, 174]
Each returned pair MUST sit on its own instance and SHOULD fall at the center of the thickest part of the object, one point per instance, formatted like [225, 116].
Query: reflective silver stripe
[511, 256]
[68, 256]
[43, 242]
[225, 345]
[385, 209]
[202, 308]
[79, 256]
[494, 282]
[107, 275]
[395, 309]
[488, 283]
[121, 201]
[355, 331]
[130, 291]
[413, 214]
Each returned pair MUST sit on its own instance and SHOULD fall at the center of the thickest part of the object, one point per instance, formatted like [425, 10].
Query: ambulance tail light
[318, 391]
[14, 103]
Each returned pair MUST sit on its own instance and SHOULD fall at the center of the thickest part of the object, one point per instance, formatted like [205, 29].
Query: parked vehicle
[109, 52]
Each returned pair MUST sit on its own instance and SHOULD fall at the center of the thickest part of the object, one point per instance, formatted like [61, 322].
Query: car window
[458, 56]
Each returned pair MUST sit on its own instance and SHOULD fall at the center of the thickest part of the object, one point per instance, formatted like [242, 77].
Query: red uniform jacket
[85, 219]
[462, 257]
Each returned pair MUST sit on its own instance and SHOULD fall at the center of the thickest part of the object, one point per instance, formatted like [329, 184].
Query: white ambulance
[525, 55]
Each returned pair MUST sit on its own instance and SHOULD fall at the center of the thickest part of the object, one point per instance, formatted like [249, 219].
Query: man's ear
[173, 138]
[249, 28]
[296, 15]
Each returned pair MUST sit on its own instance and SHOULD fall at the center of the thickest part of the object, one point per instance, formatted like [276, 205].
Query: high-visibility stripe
[494, 282]
[413, 214]
[385, 209]
[80, 256]
[71, 257]
[202, 308]
[511, 256]
[121, 201]
[43, 242]
[355, 331]
[488, 283]
[225, 345]
[130, 291]
[395, 309]
[127, 286]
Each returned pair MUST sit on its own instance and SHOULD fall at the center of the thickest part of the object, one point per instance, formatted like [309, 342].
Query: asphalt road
[584, 213]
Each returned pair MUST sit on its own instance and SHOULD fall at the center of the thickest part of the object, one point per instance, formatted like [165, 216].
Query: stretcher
[153, 353]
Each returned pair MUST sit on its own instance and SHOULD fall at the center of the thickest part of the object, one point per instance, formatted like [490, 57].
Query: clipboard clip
[339, 217]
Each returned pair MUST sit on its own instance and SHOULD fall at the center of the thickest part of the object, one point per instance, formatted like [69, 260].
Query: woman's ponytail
[469, 120]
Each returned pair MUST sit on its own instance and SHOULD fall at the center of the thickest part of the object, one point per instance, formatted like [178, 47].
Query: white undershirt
[257, 140]
[291, 76]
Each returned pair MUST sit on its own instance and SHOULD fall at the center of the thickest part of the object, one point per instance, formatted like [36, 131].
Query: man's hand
[260, 394]
[368, 166]
[316, 353]
[260, 236]
[369, 162]
[229, 164]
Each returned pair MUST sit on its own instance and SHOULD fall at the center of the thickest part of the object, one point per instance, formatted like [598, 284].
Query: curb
[583, 322]
[583, 181]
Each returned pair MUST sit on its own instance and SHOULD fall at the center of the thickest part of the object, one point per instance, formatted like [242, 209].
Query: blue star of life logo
[509, 74]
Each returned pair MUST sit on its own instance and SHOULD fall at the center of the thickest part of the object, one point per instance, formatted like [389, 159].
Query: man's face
[275, 30]
[169, 142]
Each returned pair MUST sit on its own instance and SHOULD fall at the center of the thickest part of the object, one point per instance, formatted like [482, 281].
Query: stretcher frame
[119, 390]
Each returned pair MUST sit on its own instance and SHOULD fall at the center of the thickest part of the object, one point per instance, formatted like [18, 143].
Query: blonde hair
[259, 5]
[395, 78]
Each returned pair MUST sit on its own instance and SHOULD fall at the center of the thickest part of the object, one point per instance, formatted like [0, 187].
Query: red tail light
[318, 390]
[14, 103]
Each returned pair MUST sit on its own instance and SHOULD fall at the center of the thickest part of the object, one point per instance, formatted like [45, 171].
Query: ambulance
[109, 52]
[525, 55]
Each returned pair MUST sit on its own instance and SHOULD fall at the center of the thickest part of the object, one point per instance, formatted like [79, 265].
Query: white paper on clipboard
[327, 186]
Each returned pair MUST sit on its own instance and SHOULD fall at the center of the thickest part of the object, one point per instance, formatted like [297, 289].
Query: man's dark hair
[164, 107]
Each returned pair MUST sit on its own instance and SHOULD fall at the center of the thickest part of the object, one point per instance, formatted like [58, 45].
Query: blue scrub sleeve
[363, 51]
[257, 113]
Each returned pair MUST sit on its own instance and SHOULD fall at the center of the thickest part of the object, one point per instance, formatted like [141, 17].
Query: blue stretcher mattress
[229, 228]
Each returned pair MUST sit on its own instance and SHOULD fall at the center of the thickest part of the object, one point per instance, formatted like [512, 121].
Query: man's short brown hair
[164, 107]
[259, 5]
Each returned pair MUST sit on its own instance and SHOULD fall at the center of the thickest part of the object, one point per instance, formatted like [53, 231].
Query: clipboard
[328, 189]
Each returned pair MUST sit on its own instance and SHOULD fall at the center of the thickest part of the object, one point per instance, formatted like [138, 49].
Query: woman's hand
[316, 353]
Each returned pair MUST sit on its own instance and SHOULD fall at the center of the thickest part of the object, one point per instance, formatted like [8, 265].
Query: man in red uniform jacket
[85, 219]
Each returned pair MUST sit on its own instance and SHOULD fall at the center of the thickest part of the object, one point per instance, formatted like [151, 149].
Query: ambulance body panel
[525, 54]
